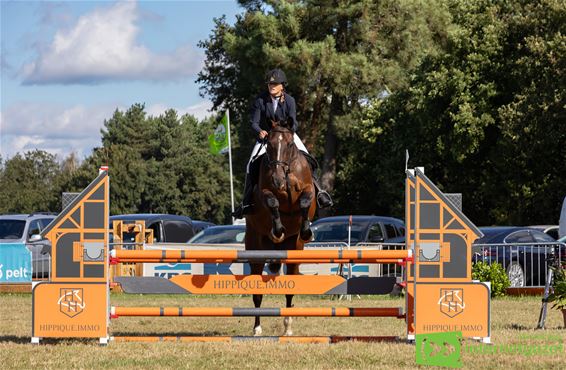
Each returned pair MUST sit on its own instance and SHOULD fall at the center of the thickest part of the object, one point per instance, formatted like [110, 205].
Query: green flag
[219, 139]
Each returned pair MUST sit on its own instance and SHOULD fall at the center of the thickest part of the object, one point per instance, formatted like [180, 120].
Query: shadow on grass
[14, 339]
[517, 327]
[167, 334]
[27, 340]
[62, 341]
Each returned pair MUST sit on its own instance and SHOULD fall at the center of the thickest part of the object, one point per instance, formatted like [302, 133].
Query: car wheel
[516, 275]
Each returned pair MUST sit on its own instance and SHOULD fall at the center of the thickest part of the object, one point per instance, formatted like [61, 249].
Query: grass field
[513, 322]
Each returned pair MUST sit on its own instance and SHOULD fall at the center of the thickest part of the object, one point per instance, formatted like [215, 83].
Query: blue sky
[67, 65]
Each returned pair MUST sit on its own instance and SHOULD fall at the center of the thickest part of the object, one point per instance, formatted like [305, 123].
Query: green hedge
[494, 273]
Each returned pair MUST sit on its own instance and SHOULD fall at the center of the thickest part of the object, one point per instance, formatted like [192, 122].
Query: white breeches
[261, 149]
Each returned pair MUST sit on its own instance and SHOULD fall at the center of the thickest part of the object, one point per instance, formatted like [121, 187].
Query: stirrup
[323, 199]
[247, 209]
[241, 211]
[238, 212]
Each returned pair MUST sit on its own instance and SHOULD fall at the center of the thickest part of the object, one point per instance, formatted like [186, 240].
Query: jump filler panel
[441, 236]
[74, 303]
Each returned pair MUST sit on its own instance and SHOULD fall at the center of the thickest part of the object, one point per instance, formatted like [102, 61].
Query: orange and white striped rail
[116, 312]
[236, 256]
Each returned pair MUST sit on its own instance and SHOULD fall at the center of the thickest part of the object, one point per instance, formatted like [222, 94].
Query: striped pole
[234, 256]
[116, 312]
[115, 261]
[327, 339]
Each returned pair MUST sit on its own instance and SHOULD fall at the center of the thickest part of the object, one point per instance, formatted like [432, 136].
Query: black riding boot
[323, 199]
[246, 205]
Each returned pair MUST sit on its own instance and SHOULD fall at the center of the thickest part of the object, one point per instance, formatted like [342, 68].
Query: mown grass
[513, 322]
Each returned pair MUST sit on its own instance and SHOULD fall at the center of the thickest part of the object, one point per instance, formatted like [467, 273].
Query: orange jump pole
[116, 312]
[226, 256]
[288, 261]
[327, 340]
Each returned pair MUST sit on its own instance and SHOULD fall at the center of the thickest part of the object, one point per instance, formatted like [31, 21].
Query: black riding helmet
[276, 76]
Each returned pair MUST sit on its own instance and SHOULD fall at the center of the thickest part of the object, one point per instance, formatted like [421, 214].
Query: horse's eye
[289, 145]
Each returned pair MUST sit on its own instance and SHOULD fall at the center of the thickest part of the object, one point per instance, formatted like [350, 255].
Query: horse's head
[281, 151]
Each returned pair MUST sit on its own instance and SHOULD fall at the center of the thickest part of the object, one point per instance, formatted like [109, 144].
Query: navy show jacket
[263, 113]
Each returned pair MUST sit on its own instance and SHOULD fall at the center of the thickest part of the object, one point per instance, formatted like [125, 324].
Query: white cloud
[200, 110]
[61, 130]
[101, 46]
[26, 126]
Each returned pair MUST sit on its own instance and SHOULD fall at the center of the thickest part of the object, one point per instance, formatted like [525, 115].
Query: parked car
[21, 228]
[222, 234]
[525, 264]
[551, 230]
[166, 228]
[365, 229]
[201, 225]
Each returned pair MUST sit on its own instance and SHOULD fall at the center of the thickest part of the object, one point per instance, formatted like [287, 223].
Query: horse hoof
[309, 237]
[257, 331]
[274, 267]
[277, 239]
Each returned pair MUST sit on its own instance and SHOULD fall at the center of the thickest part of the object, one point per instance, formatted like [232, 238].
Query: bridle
[274, 163]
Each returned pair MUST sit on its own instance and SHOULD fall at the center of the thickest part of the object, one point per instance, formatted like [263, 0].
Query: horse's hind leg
[257, 269]
[287, 321]
[305, 202]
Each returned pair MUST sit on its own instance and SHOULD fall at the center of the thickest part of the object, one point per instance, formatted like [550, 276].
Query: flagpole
[230, 160]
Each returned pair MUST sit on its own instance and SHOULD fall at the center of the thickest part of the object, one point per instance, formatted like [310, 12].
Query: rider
[275, 105]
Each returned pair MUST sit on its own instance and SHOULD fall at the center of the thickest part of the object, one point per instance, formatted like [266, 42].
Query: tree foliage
[157, 165]
[473, 89]
[162, 165]
[337, 55]
[485, 117]
[29, 183]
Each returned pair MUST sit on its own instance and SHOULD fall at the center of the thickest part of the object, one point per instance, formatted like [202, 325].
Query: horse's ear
[289, 123]
[273, 124]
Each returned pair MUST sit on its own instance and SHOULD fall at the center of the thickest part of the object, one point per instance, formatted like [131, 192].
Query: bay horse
[284, 204]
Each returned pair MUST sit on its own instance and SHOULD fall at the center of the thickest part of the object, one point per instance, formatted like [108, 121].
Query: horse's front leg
[305, 201]
[257, 269]
[277, 230]
[287, 321]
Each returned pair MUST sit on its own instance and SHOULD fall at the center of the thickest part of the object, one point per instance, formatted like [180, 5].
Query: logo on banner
[451, 302]
[71, 301]
[439, 349]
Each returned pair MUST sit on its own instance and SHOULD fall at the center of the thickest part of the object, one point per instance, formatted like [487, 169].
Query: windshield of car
[338, 232]
[492, 235]
[541, 237]
[12, 229]
[214, 235]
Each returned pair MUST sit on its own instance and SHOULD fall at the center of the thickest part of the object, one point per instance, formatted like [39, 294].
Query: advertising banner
[15, 263]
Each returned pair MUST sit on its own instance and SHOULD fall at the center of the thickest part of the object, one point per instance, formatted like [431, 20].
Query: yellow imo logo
[451, 302]
[71, 301]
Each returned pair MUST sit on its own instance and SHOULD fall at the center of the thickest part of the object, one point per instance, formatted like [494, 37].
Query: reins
[286, 165]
